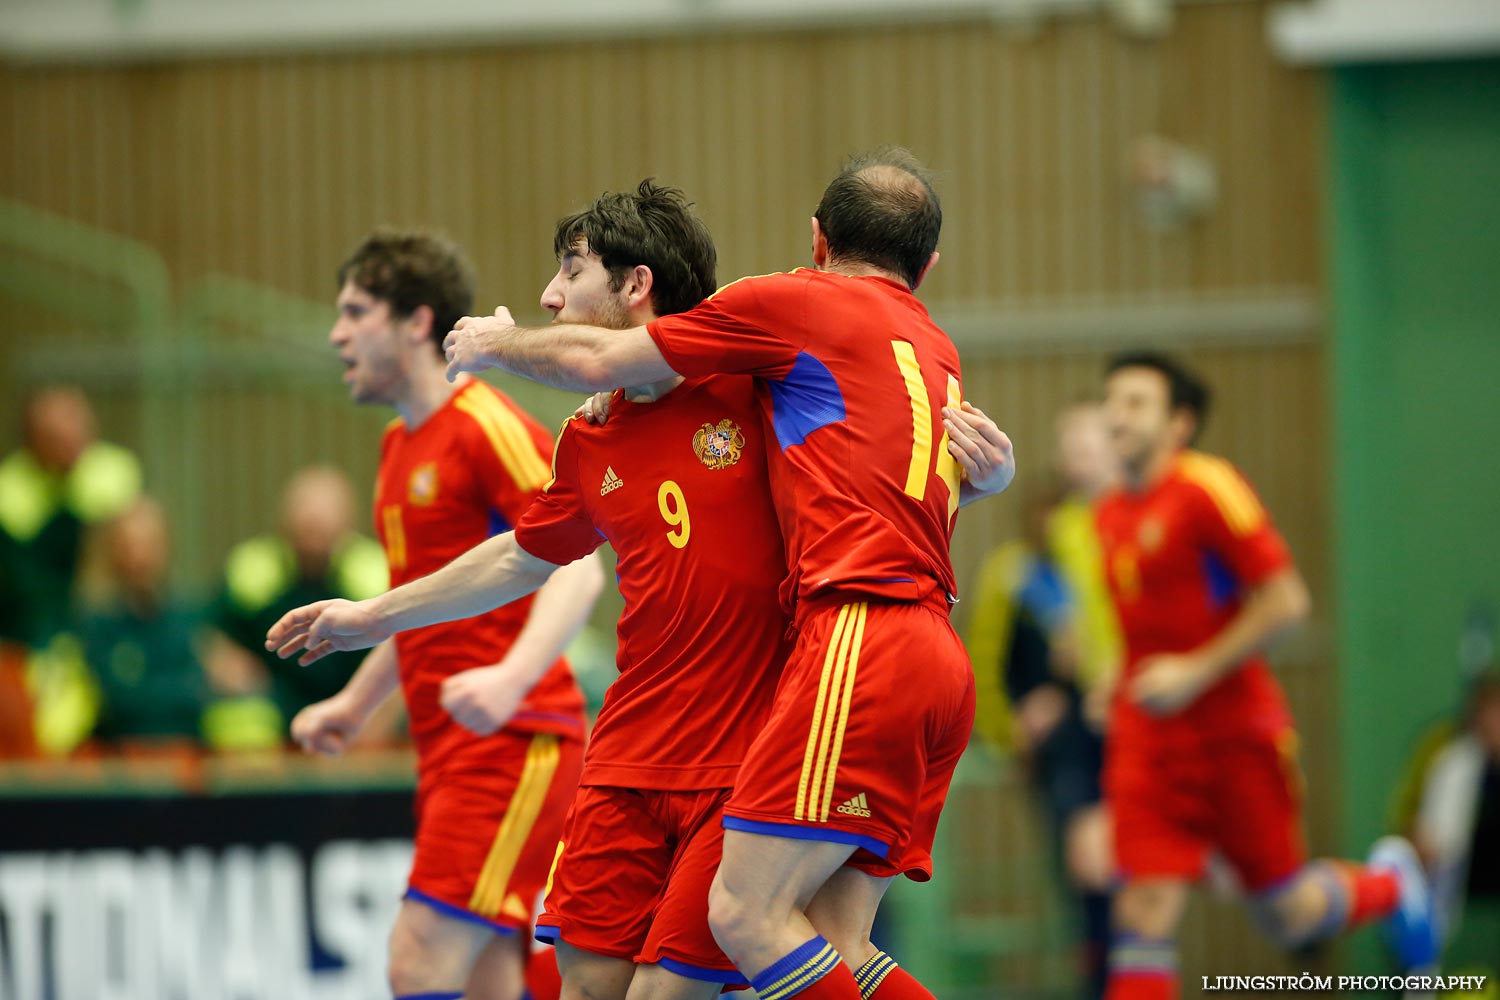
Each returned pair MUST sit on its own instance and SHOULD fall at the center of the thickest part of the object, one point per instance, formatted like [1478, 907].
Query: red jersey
[468, 472]
[1180, 558]
[678, 487]
[853, 377]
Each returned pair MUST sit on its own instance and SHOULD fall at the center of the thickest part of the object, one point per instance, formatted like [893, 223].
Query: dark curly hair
[653, 225]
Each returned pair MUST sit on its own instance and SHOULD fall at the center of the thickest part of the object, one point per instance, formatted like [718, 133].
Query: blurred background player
[1202, 754]
[59, 483]
[852, 369]
[459, 464]
[1045, 647]
[1457, 827]
[315, 554]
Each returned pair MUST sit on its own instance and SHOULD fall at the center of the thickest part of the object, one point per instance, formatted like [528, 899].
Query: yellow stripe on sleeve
[514, 430]
[815, 730]
[507, 435]
[542, 758]
[556, 446]
[1235, 500]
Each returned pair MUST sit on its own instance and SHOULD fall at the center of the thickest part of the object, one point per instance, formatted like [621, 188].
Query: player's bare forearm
[1272, 608]
[566, 356]
[374, 681]
[562, 607]
[494, 572]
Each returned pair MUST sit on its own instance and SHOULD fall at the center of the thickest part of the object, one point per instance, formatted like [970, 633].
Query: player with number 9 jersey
[678, 487]
[852, 378]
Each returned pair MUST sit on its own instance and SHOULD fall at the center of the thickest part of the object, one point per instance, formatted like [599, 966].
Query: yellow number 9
[673, 506]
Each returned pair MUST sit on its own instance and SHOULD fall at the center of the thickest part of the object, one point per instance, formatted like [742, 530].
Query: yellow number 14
[921, 429]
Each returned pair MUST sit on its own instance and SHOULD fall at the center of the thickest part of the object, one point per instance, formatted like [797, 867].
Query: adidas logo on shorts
[611, 482]
[857, 806]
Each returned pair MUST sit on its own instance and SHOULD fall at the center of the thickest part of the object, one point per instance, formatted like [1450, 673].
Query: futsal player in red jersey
[859, 396]
[1200, 754]
[460, 464]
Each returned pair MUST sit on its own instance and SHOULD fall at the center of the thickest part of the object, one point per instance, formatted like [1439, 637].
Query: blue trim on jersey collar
[456, 912]
[803, 400]
[822, 833]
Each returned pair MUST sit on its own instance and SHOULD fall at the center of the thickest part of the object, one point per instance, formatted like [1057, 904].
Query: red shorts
[487, 835]
[1240, 798]
[632, 875]
[874, 709]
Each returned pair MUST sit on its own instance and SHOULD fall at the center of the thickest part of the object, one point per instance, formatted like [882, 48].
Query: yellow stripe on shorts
[825, 737]
[542, 758]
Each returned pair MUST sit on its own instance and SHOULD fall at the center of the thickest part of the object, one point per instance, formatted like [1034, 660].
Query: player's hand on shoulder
[982, 450]
[315, 630]
[465, 343]
[326, 727]
[1169, 682]
[595, 409]
[482, 700]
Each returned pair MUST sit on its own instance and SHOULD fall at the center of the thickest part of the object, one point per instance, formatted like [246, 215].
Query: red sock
[837, 985]
[1372, 894]
[1141, 969]
[1141, 986]
[882, 979]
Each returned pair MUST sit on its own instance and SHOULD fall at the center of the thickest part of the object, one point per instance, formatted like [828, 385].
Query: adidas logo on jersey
[857, 806]
[611, 482]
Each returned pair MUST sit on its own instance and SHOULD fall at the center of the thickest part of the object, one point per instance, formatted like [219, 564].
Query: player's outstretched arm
[982, 450]
[492, 573]
[567, 356]
[483, 699]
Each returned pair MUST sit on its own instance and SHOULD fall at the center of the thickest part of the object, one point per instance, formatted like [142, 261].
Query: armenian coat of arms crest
[719, 447]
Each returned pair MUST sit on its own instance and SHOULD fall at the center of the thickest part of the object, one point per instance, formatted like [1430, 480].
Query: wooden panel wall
[272, 168]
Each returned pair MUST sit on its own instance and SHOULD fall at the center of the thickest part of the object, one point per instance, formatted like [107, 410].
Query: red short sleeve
[1235, 525]
[754, 326]
[557, 526]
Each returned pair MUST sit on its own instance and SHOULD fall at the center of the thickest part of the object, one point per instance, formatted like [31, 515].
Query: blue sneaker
[1412, 928]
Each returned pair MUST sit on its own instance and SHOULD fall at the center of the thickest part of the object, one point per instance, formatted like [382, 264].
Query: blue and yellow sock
[870, 975]
[798, 971]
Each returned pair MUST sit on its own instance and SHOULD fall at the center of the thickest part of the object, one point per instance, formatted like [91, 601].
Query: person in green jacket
[61, 481]
[145, 649]
[316, 555]
[53, 489]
